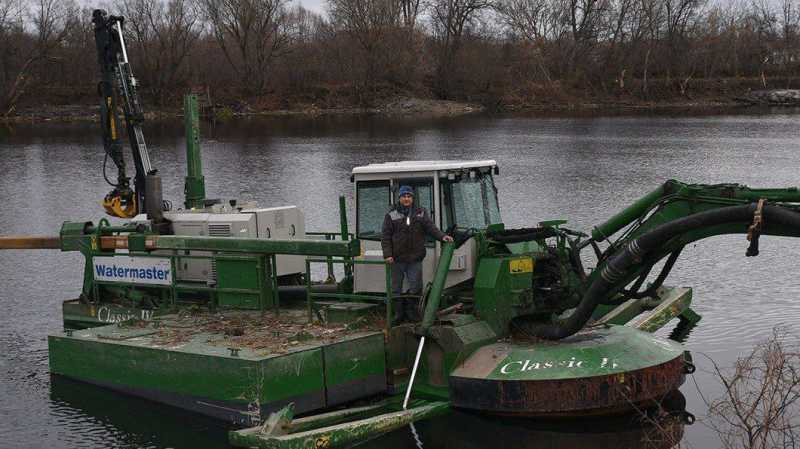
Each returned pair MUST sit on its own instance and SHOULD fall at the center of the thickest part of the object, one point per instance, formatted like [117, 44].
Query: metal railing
[348, 265]
[362, 297]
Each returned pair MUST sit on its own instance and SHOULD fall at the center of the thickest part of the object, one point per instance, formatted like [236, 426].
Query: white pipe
[122, 43]
[413, 373]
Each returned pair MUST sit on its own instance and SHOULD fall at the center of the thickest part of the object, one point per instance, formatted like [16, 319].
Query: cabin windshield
[469, 200]
[373, 200]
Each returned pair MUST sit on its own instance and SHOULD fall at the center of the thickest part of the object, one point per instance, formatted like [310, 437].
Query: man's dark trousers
[412, 272]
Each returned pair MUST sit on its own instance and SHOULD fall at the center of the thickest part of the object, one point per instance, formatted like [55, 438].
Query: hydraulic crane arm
[118, 84]
[659, 225]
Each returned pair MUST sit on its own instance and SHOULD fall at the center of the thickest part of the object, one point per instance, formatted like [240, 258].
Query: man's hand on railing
[389, 260]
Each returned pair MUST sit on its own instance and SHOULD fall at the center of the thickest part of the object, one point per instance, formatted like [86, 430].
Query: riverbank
[398, 107]
[412, 108]
[535, 103]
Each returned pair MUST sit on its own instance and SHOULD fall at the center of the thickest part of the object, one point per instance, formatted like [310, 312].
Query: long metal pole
[413, 372]
[30, 242]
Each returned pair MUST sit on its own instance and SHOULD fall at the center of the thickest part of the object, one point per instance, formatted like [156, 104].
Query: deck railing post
[308, 292]
[331, 275]
[389, 312]
[276, 298]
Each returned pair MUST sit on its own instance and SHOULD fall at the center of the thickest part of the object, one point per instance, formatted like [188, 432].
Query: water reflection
[653, 430]
[85, 412]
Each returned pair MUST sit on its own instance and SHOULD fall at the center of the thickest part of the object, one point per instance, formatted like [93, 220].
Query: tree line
[272, 54]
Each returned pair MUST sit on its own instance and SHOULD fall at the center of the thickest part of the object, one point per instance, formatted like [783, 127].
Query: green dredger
[209, 311]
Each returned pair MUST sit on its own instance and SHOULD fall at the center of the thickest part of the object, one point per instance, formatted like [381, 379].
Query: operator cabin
[458, 194]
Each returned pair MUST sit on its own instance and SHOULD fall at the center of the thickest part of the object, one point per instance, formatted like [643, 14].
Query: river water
[580, 169]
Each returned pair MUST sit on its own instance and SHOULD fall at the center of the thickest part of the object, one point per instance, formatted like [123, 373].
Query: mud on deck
[248, 334]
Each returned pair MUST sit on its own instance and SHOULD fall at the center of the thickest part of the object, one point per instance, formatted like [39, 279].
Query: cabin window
[373, 200]
[490, 192]
[468, 203]
[469, 200]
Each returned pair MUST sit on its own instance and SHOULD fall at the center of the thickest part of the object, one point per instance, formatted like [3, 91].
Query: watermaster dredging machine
[212, 308]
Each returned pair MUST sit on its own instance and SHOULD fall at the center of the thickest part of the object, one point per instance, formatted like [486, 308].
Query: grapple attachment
[121, 203]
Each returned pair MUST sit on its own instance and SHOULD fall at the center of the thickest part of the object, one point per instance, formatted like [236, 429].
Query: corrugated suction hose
[620, 264]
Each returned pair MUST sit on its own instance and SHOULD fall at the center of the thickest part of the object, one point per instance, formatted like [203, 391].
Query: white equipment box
[197, 270]
[282, 223]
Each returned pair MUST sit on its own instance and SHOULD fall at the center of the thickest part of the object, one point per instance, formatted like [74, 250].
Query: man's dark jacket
[404, 240]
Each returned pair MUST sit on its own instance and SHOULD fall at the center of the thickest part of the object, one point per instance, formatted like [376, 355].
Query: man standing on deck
[403, 242]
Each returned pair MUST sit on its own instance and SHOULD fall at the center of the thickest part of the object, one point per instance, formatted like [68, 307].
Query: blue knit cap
[406, 190]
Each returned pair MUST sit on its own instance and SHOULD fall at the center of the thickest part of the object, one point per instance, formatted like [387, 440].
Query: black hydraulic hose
[634, 290]
[661, 276]
[577, 263]
[619, 264]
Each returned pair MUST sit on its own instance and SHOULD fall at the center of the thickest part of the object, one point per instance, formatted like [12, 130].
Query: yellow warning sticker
[517, 266]
[323, 442]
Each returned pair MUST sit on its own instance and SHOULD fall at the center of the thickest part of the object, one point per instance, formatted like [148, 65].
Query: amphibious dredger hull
[198, 364]
[239, 366]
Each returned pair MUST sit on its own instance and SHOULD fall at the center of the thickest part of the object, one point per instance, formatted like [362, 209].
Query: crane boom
[118, 84]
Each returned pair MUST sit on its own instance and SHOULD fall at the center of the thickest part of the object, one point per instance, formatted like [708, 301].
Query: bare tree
[9, 13]
[303, 69]
[164, 33]
[11, 42]
[450, 19]
[370, 24]
[584, 18]
[307, 24]
[679, 17]
[790, 26]
[620, 31]
[410, 11]
[760, 408]
[251, 33]
[649, 27]
[532, 20]
[50, 21]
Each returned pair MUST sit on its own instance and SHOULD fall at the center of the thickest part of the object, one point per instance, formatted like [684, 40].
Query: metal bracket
[754, 231]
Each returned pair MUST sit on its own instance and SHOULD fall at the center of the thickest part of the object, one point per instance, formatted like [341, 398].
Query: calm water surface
[581, 169]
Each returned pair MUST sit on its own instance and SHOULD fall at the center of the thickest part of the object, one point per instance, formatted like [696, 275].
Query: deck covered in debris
[235, 365]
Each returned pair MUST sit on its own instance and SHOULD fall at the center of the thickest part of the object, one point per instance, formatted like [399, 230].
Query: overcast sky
[313, 5]
[317, 6]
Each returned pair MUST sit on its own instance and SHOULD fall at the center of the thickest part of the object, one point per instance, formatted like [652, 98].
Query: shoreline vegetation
[414, 58]
[428, 108]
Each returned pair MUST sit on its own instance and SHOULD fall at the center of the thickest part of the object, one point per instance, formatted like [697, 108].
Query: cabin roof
[413, 166]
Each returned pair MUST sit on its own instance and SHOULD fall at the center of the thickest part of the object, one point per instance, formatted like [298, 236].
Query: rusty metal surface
[30, 242]
[588, 395]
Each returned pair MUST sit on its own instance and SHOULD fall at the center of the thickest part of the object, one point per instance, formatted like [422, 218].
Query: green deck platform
[240, 377]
